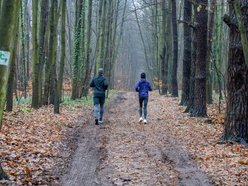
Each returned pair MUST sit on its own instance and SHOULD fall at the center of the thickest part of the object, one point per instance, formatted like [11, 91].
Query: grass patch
[23, 101]
[67, 101]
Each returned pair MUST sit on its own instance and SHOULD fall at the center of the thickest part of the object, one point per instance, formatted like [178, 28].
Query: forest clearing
[124, 92]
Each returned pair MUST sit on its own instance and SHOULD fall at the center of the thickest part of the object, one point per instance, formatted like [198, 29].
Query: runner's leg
[102, 101]
[96, 108]
[145, 107]
[140, 106]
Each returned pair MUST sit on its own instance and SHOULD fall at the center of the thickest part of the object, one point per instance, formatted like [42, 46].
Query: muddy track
[83, 151]
[139, 154]
[125, 152]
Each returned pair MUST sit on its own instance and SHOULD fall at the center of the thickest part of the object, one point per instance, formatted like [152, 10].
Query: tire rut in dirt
[85, 160]
[188, 172]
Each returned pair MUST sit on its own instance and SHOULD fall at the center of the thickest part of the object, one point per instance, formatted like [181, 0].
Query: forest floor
[171, 149]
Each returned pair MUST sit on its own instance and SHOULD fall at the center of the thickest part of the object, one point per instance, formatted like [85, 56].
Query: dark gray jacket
[100, 85]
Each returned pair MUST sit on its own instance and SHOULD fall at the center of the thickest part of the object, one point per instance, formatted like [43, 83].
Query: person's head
[100, 71]
[143, 75]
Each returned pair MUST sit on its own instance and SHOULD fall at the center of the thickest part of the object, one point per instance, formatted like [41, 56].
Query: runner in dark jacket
[143, 87]
[99, 85]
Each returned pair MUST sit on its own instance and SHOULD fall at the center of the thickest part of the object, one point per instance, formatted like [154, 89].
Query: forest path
[134, 153]
[85, 160]
[126, 152]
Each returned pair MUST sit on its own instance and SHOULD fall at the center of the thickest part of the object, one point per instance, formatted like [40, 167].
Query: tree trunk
[190, 105]
[63, 52]
[164, 55]
[236, 119]
[50, 61]
[164, 65]
[210, 38]
[12, 72]
[77, 42]
[103, 33]
[175, 50]
[186, 54]
[53, 54]
[23, 47]
[35, 53]
[8, 20]
[200, 108]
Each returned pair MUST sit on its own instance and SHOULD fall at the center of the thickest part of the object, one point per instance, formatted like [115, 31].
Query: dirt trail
[126, 152]
[85, 160]
[139, 154]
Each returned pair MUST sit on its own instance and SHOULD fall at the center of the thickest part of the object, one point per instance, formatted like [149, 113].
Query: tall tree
[210, 38]
[200, 108]
[35, 52]
[63, 48]
[186, 53]
[164, 49]
[76, 48]
[88, 66]
[8, 20]
[50, 63]
[190, 104]
[236, 119]
[12, 71]
[175, 49]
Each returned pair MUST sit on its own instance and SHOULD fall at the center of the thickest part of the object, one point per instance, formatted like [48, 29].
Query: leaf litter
[170, 149]
[31, 142]
[162, 152]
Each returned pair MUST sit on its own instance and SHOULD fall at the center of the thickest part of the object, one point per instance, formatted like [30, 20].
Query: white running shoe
[141, 119]
[145, 122]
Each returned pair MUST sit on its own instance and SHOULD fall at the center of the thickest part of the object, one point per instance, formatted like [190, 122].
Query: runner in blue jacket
[143, 87]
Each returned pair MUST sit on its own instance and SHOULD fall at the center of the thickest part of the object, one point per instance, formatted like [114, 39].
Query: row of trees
[208, 64]
[58, 39]
[52, 40]
[206, 59]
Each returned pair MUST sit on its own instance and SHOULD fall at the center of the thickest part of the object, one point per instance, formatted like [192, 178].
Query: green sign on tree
[4, 58]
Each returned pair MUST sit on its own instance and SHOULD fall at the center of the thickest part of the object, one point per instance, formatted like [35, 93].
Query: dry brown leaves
[135, 151]
[30, 141]
[225, 164]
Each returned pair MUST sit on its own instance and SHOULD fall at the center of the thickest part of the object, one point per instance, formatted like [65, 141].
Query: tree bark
[210, 38]
[76, 47]
[200, 108]
[63, 51]
[35, 53]
[164, 52]
[50, 61]
[186, 54]
[236, 119]
[12, 72]
[175, 50]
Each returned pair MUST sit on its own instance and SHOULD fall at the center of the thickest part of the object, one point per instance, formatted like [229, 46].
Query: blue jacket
[143, 87]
